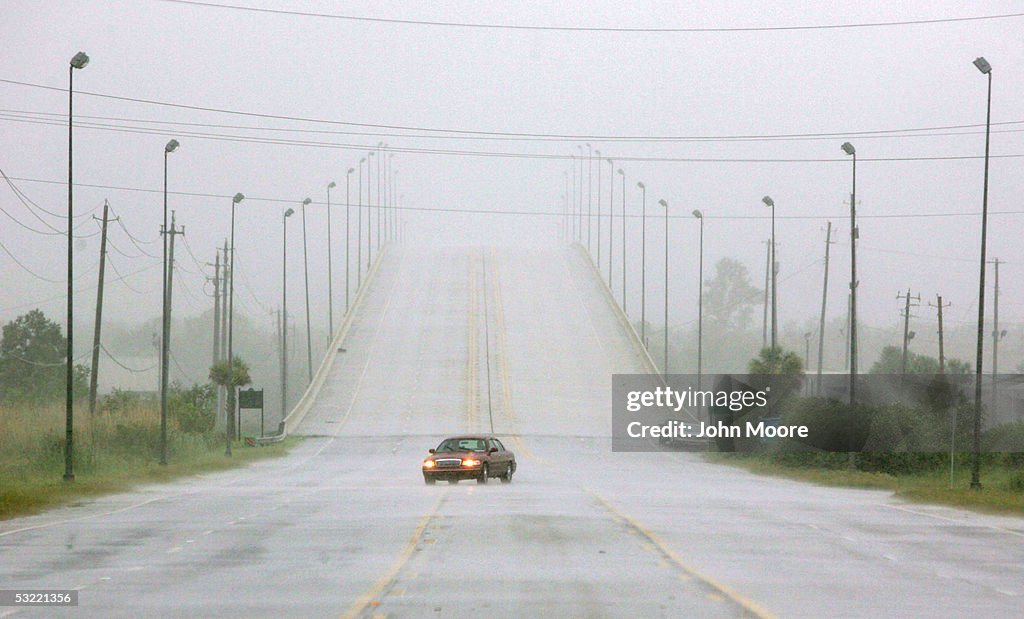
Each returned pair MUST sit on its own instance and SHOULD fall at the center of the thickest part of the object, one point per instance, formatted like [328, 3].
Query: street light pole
[165, 326]
[330, 269]
[305, 268]
[597, 261]
[230, 417]
[348, 234]
[359, 227]
[775, 323]
[369, 213]
[284, 312]
[573, 197]
[850, 150]
[665, 365]
[643, 262]
[986, 69]
[79, 61]
[700, 303]
[590, 191]
[623, 175]
[611, 220]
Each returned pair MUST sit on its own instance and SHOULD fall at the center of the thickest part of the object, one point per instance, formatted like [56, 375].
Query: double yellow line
[472, 347]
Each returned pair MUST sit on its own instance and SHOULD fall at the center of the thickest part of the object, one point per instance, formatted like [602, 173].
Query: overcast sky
[834, 81]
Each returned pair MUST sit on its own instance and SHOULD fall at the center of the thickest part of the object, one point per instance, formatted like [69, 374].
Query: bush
[192, 408]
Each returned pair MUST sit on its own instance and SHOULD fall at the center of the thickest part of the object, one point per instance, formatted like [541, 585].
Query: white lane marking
[79, 587]
[88, 516]
[8, 613]
[174, 550]
[207, 532]
[953, 520]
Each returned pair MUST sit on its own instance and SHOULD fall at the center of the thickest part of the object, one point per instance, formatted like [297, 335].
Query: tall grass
[113, 450]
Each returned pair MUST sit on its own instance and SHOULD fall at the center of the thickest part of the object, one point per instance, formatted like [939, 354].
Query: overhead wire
[933, 131]
[545, 213]
[464, 132]
[605, 29]
[512, 155]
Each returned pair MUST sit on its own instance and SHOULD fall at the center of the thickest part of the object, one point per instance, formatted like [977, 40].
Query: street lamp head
[768, 201]
[306, 201]
[362, 161]
[598, 153]
[641, 185]
[370, 154]
[663, 203]
[983, 65]
[238, 198]
[350, 170]
[289, 212]
[171, 146]
[610, 161]
[698, 214]
[849, 149]
[621, 172]
[81, 59]
[331, 185]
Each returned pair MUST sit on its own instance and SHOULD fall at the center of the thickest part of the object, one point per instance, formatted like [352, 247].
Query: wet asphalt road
[453, 340]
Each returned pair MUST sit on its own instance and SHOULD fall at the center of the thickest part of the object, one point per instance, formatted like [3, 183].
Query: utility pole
[907, 333]
[952, 411]
[767, 269]
[824, 301]
[996, 336]
[225, 278]
[942, 351]
[173, 232]
[94, 374]
[216, 321]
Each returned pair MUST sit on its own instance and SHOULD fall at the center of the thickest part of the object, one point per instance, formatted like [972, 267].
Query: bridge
[522, 342]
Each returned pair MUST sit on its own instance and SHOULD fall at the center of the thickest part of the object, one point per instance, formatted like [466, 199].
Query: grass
[1001, 491]
[113, 452]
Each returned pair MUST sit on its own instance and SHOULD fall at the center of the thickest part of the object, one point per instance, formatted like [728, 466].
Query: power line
[465, 132]
[122, 365]
[57, 119]
[545, 213]
[512, 155]
[607, 29]
[60, 297]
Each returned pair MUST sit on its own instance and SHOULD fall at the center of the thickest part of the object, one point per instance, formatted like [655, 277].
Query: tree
[891, 362]
[220, 373]
[729, 297]
[782, 370]
[32, 360]
[777, 361]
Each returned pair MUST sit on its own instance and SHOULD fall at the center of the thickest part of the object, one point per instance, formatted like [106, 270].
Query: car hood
[456, 454]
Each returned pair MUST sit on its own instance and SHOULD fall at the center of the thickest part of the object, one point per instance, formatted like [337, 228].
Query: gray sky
[838, 81]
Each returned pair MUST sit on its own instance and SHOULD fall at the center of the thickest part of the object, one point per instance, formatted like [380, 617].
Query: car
[472, 456]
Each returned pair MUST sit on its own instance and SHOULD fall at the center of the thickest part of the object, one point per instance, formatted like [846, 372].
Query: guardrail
[645, 356]
[301, 408]
[641, 350]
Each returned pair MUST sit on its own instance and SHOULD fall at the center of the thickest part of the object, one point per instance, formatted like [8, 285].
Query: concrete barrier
[301, 408]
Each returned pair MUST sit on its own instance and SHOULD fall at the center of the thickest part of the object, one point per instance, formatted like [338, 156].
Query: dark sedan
[478, 457]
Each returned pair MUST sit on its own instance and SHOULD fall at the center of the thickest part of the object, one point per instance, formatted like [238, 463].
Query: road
[450, 340]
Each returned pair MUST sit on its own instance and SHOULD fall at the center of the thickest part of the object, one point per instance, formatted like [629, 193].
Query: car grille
[449, 463]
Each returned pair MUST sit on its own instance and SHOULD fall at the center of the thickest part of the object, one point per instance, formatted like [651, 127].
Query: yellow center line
[749, 605]
[472, 348]
[501, 359]
[652, 541]
[388, 577]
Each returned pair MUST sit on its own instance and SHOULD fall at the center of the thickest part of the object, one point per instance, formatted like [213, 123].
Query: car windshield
[462, 444]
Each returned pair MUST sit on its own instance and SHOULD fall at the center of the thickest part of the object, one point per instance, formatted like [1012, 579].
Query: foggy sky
[579, 83]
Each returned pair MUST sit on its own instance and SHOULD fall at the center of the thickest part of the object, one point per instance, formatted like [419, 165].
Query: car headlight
[428, 464]
[470, 462]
